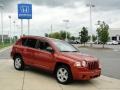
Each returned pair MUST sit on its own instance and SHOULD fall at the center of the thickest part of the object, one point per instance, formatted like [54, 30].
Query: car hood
[79, 56]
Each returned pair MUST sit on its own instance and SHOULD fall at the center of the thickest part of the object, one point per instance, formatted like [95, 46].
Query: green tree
[63, 35]
[68, 35]
[89, 37]
[103, 34]
[94, 38]
[84, 35]
[14, 39]
[46, 35]
[55, 35]
[59, 35]
[72, 38]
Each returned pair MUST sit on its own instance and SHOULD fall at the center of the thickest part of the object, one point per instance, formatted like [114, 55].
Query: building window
[119, 37]
[114, 38]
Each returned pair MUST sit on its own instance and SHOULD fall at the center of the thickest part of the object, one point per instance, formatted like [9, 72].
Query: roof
[38, 37]
[114, 31]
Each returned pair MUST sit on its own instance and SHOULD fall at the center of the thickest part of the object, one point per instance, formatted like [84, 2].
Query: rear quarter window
[18, 42]
[24, 40]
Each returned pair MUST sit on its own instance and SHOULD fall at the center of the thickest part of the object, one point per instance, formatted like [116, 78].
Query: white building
[114, 34]
[4, 37]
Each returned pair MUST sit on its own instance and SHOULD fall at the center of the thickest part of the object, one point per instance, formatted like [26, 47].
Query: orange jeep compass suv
[57, 56]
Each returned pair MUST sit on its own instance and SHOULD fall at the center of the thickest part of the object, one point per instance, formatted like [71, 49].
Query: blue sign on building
[25, 11]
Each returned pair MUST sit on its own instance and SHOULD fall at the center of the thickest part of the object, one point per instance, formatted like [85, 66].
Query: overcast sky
[47, 12]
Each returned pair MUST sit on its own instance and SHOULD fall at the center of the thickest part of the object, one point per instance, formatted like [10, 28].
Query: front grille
[93, 65]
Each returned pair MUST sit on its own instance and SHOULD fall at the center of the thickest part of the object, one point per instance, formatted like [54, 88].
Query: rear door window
[31, 43]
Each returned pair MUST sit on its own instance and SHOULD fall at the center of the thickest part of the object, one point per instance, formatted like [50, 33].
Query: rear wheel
[63, 74]
[18, 63]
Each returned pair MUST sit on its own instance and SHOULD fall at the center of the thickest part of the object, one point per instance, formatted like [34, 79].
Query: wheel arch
[70, 72]
[17, 54]
[60, 64]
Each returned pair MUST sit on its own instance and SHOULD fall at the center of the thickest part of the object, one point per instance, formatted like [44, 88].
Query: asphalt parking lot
[109, 58]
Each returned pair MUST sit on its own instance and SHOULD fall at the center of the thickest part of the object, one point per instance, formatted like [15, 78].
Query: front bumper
[85, 74]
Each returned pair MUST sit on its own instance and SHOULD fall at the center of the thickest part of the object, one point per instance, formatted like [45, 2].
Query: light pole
[1, 6]
[28, 21]
[21, 27]
[28, 27]
[51, 28]
[10, 28]
[14, 30]
[66, 26]
[90, 5]
[18, 28]
[98, 24]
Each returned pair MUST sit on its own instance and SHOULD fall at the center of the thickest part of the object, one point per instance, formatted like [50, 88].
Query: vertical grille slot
[93, 65]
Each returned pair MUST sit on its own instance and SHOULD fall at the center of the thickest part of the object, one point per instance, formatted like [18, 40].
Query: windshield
[64, 46]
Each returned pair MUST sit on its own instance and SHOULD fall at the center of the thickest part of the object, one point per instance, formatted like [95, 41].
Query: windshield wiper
[65, 51]
[69, 51]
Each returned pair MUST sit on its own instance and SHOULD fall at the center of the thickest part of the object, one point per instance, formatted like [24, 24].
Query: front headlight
[84, 63]
[77, 64]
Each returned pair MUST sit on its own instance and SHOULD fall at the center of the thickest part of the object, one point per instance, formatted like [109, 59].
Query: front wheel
[18, 63]
[63, 74]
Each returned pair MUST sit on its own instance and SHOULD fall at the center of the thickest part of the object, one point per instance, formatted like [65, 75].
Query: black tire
[69, 74]
[21, 66]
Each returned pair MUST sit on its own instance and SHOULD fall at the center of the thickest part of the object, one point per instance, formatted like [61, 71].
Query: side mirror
[49, 49]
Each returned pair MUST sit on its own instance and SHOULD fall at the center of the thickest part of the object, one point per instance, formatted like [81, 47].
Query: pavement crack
[60, 86]
[23, 81]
